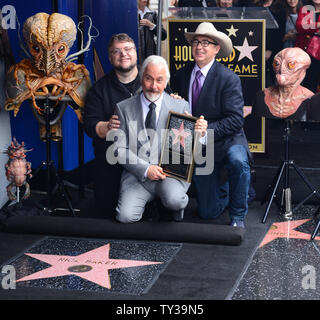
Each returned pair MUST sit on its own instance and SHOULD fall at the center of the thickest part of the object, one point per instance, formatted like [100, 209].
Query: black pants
[106, 186]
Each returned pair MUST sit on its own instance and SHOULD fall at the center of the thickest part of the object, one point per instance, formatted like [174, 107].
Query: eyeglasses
[117, 51]
[204, 43]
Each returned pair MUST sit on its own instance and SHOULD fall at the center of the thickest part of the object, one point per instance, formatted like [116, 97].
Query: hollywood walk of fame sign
[91, 265]
[286, 230]
[247, 60]
[177, 155]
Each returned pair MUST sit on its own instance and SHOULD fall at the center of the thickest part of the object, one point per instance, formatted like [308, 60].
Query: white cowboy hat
[207, 29]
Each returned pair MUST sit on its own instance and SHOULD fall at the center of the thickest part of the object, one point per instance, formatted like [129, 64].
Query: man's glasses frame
[118, 51]
[204, 43]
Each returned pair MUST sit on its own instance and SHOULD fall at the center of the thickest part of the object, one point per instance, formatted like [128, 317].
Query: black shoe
[178, 215]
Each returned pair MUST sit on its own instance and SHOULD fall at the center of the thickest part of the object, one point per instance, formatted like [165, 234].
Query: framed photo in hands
[178, 147]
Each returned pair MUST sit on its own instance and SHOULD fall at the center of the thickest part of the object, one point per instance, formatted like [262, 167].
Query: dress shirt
[145, 109]
[145, 106]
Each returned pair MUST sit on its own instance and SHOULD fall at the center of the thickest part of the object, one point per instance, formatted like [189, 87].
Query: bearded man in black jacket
[119, 84]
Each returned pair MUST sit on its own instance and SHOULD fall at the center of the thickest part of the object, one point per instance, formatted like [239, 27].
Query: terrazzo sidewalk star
[286, 230]
[92, 265]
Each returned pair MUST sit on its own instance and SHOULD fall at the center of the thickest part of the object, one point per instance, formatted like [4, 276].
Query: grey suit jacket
[134, 149]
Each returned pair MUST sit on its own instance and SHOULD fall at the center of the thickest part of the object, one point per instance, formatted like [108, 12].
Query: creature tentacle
[27, 191]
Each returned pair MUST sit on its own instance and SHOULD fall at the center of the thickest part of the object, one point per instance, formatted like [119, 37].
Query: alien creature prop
[287, 99]
[17, 169]
[48, 72]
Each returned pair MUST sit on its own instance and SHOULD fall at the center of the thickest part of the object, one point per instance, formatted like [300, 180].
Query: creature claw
[27, 191]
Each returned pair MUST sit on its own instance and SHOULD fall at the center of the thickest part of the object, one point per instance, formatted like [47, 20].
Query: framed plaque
[177, 154]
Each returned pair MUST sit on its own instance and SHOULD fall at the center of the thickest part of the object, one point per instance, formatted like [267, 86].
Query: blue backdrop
[109, 17]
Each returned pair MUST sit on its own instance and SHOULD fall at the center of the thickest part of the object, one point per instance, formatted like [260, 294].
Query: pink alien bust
[290, 66]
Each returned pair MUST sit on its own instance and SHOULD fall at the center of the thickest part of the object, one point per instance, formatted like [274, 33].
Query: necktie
[151, 117]
[196, 88]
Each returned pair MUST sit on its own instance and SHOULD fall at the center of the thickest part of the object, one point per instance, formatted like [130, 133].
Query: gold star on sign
[232, 31]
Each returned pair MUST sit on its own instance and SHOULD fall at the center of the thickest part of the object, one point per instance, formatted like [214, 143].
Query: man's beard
[152, 96]
[125, 70]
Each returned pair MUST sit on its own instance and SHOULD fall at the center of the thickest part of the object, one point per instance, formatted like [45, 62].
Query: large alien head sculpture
[287, 98]
[290, 67]
[47, 74]
[49, 39]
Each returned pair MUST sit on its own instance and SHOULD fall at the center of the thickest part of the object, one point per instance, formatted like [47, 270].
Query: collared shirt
[142, 13]
[204, 72]
[145, 106]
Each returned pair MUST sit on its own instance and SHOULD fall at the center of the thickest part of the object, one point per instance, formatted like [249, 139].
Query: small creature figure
[17, 169]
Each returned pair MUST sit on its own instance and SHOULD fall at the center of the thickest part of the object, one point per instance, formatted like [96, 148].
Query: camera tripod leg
[287, 203]
[315, 231]
[274, 191]
[306, 181]
[36, 172]
[63, 189]
[317, 213]
[271, 186]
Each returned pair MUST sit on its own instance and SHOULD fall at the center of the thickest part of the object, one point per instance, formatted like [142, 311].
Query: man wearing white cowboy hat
[215, 92]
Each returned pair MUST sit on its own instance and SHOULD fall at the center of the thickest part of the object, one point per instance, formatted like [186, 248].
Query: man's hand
[146, 23]
[113, 123]
[103, 127]
[155, 173]
[201, 126]
[176, 96]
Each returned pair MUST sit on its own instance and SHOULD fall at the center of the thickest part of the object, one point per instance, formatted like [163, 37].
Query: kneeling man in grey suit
[142, 120]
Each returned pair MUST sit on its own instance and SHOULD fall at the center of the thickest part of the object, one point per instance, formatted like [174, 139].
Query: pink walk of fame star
[286, 230]
[180, 135]
[92, 266]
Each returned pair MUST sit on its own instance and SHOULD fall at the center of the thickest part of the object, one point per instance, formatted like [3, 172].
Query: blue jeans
[213, 196]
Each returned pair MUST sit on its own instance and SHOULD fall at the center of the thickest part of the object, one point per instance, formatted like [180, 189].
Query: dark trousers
[213, 197]
[106, 186]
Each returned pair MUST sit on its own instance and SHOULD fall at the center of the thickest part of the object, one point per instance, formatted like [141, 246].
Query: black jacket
[220, 102]
[100, 104]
